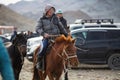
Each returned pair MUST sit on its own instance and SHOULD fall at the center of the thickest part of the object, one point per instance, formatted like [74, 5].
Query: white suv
[92, 23]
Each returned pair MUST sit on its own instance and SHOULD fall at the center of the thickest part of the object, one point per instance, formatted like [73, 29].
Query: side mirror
[80, 41]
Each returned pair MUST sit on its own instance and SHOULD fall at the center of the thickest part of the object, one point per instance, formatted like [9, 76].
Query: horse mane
[69, 38]
[61, 38]
[19, 37]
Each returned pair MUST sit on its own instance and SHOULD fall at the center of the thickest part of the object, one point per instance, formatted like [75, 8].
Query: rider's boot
[39, 62]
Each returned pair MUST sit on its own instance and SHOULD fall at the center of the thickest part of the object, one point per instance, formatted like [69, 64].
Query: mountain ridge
[10, 18]
[91, 8]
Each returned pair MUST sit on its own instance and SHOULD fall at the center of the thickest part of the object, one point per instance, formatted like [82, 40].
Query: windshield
[29, 43]
[75, 27]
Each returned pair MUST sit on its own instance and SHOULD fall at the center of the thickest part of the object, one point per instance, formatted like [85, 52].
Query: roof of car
[97, 28]
[88, 24]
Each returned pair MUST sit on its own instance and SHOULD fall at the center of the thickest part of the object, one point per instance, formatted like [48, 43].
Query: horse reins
[64, 52]
[68, 57]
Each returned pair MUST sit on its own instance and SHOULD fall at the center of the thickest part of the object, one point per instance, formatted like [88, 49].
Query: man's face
[50, 12]
[59, 15]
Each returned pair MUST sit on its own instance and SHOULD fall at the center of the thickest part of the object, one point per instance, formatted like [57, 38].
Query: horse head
[20, 42]
[69, 50]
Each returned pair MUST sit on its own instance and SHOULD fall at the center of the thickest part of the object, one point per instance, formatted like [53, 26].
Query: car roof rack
[98, 21]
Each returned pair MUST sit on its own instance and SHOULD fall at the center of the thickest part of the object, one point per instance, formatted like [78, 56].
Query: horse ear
[73, 40]
[69, 38]
[61, 38]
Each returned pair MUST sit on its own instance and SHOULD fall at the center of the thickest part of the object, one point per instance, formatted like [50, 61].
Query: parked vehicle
[32, 44]
[92, 23]
[98, 45]
[4, 39]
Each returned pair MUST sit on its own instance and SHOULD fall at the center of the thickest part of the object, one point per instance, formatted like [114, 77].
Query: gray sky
[6, 2]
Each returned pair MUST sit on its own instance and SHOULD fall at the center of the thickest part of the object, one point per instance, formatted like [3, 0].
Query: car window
[31, 43]
[95, 35]
[80, 34]
[80, 37]
[91, 26]
[113, 34]
[84, 35]
[109, 26]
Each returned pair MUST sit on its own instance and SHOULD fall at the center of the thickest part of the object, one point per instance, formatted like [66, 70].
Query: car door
[80, 40]
[96, 44]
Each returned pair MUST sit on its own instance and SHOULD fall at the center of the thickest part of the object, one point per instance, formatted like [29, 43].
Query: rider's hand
[46, 35]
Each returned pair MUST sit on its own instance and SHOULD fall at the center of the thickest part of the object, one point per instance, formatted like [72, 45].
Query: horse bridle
[68, 57]
[64, 52]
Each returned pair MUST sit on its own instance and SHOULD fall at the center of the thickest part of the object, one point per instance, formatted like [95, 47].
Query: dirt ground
[84, 72]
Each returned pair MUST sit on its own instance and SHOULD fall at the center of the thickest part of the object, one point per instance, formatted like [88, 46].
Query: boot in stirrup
[39, 62]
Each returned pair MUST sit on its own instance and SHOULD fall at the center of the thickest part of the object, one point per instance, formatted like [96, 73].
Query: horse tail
[35, 70]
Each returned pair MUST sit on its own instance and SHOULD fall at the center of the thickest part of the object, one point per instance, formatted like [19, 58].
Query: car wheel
[114, 61]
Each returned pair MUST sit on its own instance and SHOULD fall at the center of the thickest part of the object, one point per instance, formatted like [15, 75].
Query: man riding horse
[48, 25]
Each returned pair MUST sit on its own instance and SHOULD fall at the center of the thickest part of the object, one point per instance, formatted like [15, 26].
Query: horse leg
[35, 74]
[50, 76]
[45, 75]
[41, 75]
[58, 77]
[16, 76]
[66, 73]
[16, 73]
[66, 76]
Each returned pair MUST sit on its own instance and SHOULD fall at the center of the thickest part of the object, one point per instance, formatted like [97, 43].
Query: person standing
[59, 14]
[48, 25]
[13, 34]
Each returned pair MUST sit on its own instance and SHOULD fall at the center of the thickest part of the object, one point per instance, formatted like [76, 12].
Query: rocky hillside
[34, 9]
[10, 18]
[93, 8]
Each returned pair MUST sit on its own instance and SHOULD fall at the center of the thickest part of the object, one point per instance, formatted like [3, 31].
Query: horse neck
[57, 50]
[15, 50]
[13, 53]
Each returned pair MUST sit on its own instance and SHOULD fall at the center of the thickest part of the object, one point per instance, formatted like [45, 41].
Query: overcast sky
[6, 2]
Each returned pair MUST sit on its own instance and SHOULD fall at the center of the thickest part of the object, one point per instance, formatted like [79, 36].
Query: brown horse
[63, 52]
